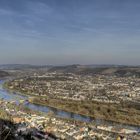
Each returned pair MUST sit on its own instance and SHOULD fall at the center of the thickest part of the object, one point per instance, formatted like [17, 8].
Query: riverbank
[69, 121]
[61, 128]
[95, 110]
[120, 113]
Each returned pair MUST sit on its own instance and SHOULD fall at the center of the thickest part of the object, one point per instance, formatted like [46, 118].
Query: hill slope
[85, 70]
[3, 74]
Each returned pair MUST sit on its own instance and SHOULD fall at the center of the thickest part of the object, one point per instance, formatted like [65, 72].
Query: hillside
[85, 70]
[3, 74]
[22, 66]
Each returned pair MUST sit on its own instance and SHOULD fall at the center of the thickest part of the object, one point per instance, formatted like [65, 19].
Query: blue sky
[70, 32]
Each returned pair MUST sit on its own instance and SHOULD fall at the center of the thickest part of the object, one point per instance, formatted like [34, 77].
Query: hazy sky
[70, 31]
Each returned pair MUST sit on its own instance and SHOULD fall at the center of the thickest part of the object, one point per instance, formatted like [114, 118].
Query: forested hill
[3, 74]
[85, 70]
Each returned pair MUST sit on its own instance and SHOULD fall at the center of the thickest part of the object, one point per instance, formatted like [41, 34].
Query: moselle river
[9, 96]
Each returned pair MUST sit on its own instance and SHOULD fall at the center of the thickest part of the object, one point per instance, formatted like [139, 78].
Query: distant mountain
[69, 68]
[118, 70]
[22, 66]
[106, 70]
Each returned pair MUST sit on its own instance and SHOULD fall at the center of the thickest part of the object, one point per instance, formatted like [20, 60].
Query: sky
[59, 32]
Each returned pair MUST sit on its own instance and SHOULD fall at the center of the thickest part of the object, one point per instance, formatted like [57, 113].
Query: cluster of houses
[99, 87]
[50, 127]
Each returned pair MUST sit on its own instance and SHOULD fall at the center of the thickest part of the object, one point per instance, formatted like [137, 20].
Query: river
[8, 96]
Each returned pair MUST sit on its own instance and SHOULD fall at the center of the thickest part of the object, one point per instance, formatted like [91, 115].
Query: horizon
[39, 65]
[52, 32]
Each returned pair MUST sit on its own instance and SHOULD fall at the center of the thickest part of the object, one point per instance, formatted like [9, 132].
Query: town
[110, 98]
[46, 126]
[101, 88]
